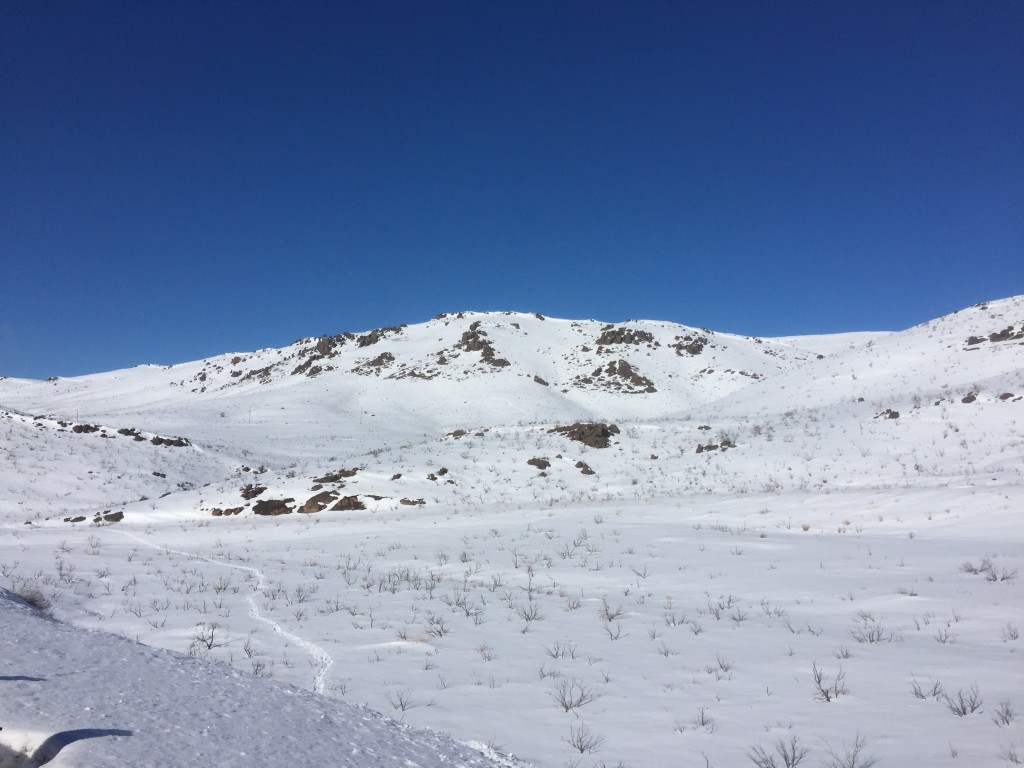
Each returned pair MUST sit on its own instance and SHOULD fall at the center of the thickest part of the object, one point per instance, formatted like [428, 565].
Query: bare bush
[790, 753]
[206, 638]
[582, 739]
[572, 694]
[824, 690]
[400, 700]
[1005, 714]
[990, 570]
[850, 755]
[964, 703]
[436, 626]
[529, 612]
[872, 631]
[1010, 755]
[934, 692]
[609, 614]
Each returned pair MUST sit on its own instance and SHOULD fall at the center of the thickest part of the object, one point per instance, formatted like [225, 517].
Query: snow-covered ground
[813, 538]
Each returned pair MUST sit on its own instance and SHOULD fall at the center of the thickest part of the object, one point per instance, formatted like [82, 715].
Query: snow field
[663, 630]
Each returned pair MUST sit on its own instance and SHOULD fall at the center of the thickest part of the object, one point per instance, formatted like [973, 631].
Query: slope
[75, 697]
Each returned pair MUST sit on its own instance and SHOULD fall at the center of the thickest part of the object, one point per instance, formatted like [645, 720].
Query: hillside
[292, 415]
[97, 699]
[583, 543]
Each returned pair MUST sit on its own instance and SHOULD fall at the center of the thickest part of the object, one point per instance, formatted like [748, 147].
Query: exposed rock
[596, 435]
[473, 341]
[624, 370]
[383, 360]
[584, 468]
[376, 335]
[174, 442]
[1007, 334]
[250, 491]
[1010, 333]
[329, 346]
[412, 502]
[617, 376]
[539, 380]
[888, 413]
[336, 477]
[262, 374]
[623, 336]
[539, 463]
[318, 502]
[347, 503]
[273, 507]
[113, 517]
[970, 397]
[690, 344]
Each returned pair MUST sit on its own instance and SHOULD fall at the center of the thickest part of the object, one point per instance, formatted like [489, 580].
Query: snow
[671, 607]
[101, 700]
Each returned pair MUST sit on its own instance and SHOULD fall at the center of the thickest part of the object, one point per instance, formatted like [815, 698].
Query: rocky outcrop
[611, 335]
[347, 503]
[318, 503]
[595, 435]
[273, 507]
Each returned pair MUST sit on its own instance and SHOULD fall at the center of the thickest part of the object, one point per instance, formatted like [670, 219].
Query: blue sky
[183, 179]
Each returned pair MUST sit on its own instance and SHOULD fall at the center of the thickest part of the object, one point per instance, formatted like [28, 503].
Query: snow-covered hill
[586, 543]
[388, 401]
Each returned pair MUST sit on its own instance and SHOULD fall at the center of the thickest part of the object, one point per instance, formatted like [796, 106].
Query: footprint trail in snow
[322, 660]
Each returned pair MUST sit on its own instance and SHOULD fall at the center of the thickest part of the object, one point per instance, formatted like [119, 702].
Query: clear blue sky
[180, 179]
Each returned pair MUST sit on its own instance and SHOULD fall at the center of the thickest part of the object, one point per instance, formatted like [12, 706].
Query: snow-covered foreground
[824, 556]
[646, 633]
[71, 697]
